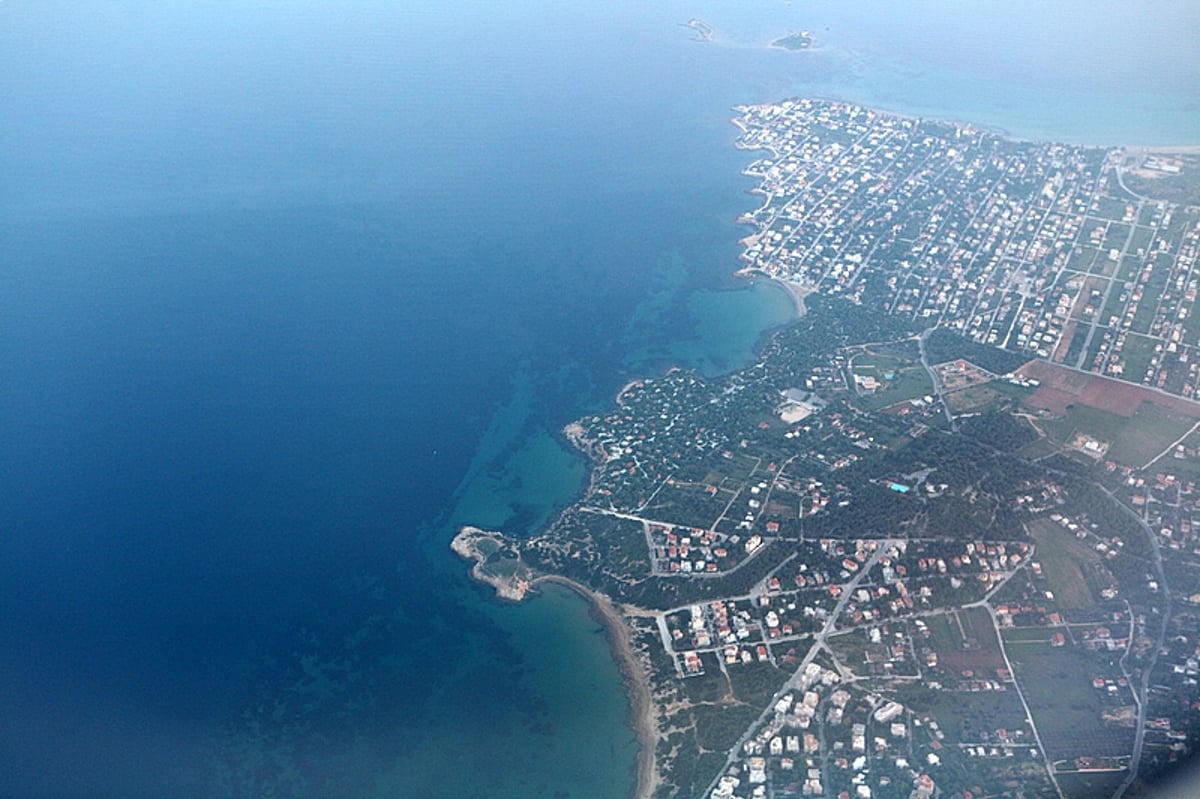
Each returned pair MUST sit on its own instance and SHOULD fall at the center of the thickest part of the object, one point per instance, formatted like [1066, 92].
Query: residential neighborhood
[941, 537]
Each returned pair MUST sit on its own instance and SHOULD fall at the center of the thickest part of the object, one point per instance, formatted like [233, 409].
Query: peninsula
[940, 539]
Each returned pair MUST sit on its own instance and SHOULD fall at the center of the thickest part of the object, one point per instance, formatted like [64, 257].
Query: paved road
[1148, 669]
[817, 645]
[937, 384]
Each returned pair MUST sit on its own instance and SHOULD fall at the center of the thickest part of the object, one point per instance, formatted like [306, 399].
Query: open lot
[965, 640]
[1061, 387]
[1132, 441]
[1064, 559]
[964, 716]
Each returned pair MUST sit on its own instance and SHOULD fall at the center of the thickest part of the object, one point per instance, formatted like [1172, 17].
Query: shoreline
[796, 291]
[1169, 149]
[948, 119]
[643, 719]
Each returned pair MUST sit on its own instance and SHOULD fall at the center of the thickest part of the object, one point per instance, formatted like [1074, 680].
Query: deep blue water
[287, 293]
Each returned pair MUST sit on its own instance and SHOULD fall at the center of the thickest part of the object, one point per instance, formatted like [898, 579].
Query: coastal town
[1036, 248]
[941, 539]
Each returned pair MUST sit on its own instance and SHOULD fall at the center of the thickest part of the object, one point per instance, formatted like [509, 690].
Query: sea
[291, 291]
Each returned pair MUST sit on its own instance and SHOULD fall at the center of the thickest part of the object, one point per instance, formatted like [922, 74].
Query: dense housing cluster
[1034, 247]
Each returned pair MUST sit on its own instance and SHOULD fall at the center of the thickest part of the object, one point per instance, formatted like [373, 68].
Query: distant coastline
[968, 123]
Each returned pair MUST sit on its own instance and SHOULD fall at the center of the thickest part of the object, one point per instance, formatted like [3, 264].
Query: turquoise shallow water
[289, 293]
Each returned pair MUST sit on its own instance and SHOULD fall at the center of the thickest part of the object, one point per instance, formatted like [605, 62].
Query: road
[818, 645]
[937, 384]
[1020, 694]
[1096, 321]
[1148, 669]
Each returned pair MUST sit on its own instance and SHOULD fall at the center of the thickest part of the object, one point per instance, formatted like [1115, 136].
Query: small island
[704, 31]
[804, 40]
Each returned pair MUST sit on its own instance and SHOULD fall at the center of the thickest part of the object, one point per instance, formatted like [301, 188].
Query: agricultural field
[1147, 434]
[1068, 711]
[1130, 441]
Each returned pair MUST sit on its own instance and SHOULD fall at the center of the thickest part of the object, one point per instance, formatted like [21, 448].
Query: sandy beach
[643, 717]
[797, 293]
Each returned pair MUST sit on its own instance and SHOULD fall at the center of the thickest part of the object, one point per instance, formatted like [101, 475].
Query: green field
[1063, 558]
[1110, 208]
[1141, 239]
[1131, 265]
[975, 398]
[1114, 306]
[1081, 258]
[1084, 419]
[1117, 235]
[1133, 441]
[962, 716]
[980, 630]
[877, 363]
[1149, 432]
[1056, 683]
[909, 383]
[1185, 469]
[1027, 635]
[850, 648]
[944, 633]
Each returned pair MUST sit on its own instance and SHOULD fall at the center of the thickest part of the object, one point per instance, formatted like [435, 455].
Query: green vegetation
[1030, 635]
[967, 716]
[756, 683]
[976, 399]
[1056, 683]
[1090, 785]
[1183, 188]
[945, 634]
[1149, 432]
[851, 649]
[719, 726]
[981, 633]
[1000, 430]
[944, 345]
[1064, 560]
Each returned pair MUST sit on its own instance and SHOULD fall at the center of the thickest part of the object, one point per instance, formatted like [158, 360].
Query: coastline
[643, 719]
[1169, 149]
[796, 291]
[932, 115]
